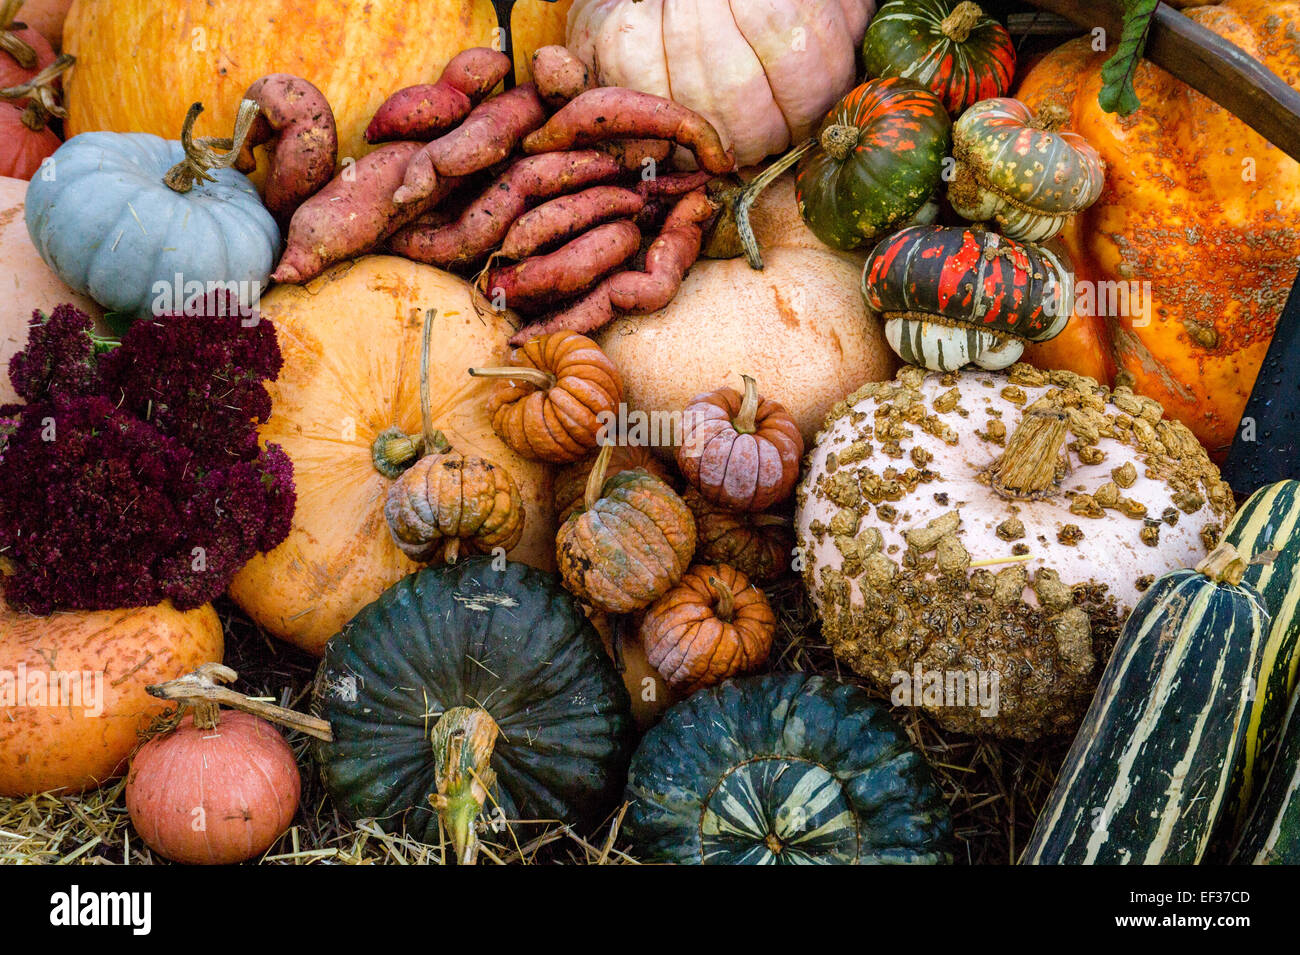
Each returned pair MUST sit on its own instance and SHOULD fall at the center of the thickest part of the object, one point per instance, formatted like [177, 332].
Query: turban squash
[1195, 204]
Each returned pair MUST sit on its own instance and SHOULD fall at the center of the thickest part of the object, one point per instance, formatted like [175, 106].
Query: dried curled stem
[209, 152]
[43, 100]
[203, 693]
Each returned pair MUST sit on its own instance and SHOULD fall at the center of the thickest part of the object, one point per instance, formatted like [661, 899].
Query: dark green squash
[410, 682]
[1272, 836]
[876, 163]
[783, 769]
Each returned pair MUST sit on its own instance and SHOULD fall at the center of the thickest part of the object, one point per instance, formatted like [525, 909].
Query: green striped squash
[1272, 835]
[1268, 524]
[1148, 773]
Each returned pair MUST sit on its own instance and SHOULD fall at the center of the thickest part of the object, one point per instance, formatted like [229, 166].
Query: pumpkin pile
[532, 384]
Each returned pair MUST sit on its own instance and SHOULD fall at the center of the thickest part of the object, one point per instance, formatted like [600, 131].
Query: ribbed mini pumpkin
[553, 400]
[631, 540]
[781, 770]
[1018, 169]
[758, 545]
[712, 625]
[951, 296]
[740, 451]
[955, 50]
[570, 481]
[877, 163]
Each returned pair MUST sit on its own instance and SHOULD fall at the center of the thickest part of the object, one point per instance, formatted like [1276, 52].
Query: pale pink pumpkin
[213, 796]
[763, 72]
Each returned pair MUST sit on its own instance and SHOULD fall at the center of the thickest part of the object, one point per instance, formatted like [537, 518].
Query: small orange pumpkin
[219, 788]
[570, 481]
[630, 541]
[740, 451]
[712, 625]
[756, 544]
[548, 404]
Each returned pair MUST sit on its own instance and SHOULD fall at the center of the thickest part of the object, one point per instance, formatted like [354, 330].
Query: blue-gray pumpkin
[783, 769]
[109, 226]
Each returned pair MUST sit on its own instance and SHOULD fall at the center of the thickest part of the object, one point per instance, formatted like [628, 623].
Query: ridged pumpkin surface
[1219, 249]
[351, 344]
[141, 63]
[81, 745]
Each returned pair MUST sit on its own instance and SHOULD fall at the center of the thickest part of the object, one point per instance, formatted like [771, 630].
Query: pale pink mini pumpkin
[997, 525]
[764, 74]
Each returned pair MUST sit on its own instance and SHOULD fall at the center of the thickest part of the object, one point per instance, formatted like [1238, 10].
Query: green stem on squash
[208, 152]
[462, 742]
[393, 450]
[203, 693]
[539, 379]
[42, 97]
[10, 42]
[738, 200]
[725, 608]
[745, 421]
[1027, 469]
[596, 479]
[957, 25]
[1224, 565]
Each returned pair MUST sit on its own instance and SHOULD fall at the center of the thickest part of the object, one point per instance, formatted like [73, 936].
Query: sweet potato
[638, 155]
[566, 216]
[353, 213]
[422, 112]
[488, 135]
[573, 268]
[559, 75]
[612, 112]
[484, 223]
[673, 251]
[585, 314]
[295, 120]
[673, 183]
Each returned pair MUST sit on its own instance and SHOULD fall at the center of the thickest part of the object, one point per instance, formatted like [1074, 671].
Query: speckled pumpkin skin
[895, 513]
[1220, 251]
[784, 769]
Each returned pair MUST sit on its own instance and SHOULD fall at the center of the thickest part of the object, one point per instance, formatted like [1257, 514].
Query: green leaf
[1117, 94]
[119, 322]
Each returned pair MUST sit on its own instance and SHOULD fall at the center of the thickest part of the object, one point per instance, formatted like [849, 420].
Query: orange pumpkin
[1197, 205]
[141, 63]
[571, 480]
[72, 688]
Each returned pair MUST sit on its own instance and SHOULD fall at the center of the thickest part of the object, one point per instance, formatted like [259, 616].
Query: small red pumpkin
[740, 451]
[26, 109]
[219, 788]
[23, 51]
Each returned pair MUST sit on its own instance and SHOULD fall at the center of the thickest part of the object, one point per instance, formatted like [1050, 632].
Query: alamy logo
[69, 689]
[77, 908]
[970, 688]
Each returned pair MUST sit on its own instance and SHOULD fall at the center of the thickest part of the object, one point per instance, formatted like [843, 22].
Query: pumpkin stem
[1049, 118]
[1027, 469]
[462, 742]
[451, 550]
[725, 608]
[435, 442]
[539, 379]
[10, 42]
[208, 152]
[42, 98]
[957, 25]
[733, 227]
[840, 139]
[1224, 565]
[202, 691]
[596, 479]
[745, 421]
[393, 451]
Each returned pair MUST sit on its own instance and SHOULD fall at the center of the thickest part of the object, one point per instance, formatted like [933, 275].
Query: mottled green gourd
[784, 769]
[471, 692]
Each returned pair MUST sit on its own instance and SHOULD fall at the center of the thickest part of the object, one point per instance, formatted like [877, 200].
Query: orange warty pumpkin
[570, 481]
[1197, 205]
[141, 63]
[100, 663]
[711, 626]
[758, 545]
[217, 789]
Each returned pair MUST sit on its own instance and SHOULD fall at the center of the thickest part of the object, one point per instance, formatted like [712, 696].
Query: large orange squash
[141, 63]
[72, 688]
[351, 341]
[1197, 205]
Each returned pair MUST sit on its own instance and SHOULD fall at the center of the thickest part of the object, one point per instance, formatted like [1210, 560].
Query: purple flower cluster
[133, 472]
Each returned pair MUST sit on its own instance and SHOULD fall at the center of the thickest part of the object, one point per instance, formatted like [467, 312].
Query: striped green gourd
[1147, 775]
[1268, 526]
[1272, 835]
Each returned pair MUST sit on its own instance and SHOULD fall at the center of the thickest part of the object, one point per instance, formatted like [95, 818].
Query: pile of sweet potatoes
[555, 195]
